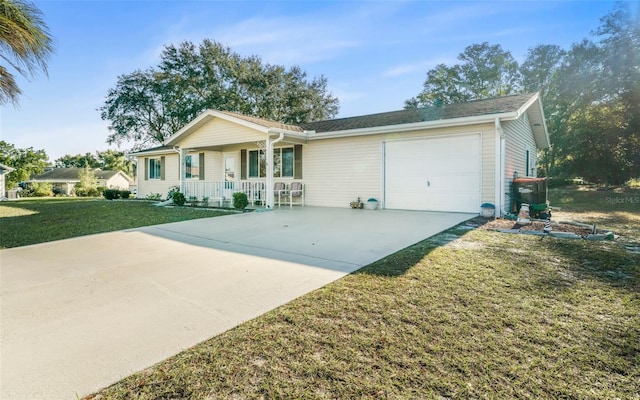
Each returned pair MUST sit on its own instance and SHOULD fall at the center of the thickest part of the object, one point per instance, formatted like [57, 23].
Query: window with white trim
[192, 167]
[155, 168]
[283, 163]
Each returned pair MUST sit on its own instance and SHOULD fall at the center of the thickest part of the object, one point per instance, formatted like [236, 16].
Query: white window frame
[155, 168]
[261, 157]
[188, 166]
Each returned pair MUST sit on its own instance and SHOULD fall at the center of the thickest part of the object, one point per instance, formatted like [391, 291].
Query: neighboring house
[4, 169]
[65, 179]
[447, 158]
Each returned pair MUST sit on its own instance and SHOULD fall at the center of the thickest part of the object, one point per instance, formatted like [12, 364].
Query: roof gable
[258, 124]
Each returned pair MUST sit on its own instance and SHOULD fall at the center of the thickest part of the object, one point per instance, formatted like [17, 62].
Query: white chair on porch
[280, 191]
[296, 191]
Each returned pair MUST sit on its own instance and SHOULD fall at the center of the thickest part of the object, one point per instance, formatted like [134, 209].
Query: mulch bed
[537, 226]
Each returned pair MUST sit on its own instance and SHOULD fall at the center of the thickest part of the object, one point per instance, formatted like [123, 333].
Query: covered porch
[220, 193]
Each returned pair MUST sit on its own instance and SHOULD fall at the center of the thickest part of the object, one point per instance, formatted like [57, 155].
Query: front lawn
[465, 314]
[31, 221]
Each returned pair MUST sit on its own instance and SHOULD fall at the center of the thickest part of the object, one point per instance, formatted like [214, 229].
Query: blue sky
[375, 54]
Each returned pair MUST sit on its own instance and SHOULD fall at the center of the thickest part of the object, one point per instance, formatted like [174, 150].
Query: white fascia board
[525, 106]
[547, 141]
[160, 152]
[482, 119]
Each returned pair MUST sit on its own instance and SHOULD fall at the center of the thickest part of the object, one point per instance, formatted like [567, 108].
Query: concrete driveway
[80, 314]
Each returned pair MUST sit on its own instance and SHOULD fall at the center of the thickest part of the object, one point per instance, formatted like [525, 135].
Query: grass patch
[31, 221]
[617, 210]
[486, 315]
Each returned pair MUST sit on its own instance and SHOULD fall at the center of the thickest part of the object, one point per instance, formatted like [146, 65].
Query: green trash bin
[532, 191]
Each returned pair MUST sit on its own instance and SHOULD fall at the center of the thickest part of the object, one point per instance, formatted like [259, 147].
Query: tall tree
[539, 72]
[109, 160]
[86, 160]
[486, 71]
[444, 85]
[113, 160]
[25, 45]
[26, 162]
[595, 95]
[145, 107]
[540, 66]
[620, 42]
[489, 71]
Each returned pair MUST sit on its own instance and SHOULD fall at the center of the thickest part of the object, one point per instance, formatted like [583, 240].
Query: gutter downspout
[270, 183]
[499, 168]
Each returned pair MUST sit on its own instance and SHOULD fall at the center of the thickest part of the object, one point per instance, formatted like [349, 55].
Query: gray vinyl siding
[518, 139]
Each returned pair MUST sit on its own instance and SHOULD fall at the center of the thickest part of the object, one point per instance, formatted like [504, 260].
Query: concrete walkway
[80, 314]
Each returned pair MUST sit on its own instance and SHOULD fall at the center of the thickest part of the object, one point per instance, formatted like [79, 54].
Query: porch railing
[221, 193]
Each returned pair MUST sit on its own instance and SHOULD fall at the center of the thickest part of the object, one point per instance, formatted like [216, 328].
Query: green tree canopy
[145, 107]
[486, 71]
[113, 160]
[26, 162]
[109, 160]
[87, 160]
[590, 94]
[25, 45]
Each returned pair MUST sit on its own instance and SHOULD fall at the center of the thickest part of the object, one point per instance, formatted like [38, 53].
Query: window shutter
[162, 168]
[201, 166]
[145, 171]
[243, 164]
[297, 161]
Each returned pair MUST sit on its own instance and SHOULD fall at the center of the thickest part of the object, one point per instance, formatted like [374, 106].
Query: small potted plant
[371, 204]
[487, 210]
[356, 204]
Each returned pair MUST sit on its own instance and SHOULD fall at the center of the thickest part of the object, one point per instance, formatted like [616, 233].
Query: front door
[230, 174]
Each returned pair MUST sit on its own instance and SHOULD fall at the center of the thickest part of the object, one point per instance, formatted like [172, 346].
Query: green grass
[618, 210]
[31, 221]
[487, 315]
[590, 199]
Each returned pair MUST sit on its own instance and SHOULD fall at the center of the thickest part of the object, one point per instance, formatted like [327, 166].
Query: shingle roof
[71, 174]
[459, 110]
[488, 107]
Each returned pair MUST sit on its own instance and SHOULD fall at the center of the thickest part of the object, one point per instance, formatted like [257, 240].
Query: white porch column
[269, 181]
[182, 168]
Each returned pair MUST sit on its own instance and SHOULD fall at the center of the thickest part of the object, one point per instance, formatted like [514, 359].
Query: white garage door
[435, 174]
